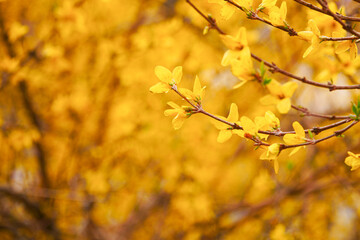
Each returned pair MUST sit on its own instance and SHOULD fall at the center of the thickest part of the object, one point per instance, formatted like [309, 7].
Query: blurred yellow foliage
[86, 152]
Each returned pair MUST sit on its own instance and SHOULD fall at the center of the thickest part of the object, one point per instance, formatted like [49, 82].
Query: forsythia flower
[236, 43]
[272, 153]
[346, 45]
[227, 9]
[197, 94]
[269, 122]
[266, 4]
[249, 127]
[353, 160]
[225, 130]
[180, 114]
[313, 36]
[297, 138]
[279, 95]
[167, 79]
[277, 15]
[242, 68]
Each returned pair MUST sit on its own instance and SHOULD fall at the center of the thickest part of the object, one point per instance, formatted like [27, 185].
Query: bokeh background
[87, 153]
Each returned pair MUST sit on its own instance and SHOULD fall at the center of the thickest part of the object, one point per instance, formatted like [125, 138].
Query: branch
[254, 16]
[326, 10]
[313, 7]
[306, 112]
[274, 68]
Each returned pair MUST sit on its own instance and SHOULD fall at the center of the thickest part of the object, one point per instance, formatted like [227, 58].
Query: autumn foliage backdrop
[87, 153]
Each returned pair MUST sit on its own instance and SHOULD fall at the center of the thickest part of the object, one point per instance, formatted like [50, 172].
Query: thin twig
[313, 7]
[306, 112]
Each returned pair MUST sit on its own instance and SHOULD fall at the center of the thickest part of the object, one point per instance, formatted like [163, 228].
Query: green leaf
[310, 134]
[266, 81]
[355, 109]
[262, 70]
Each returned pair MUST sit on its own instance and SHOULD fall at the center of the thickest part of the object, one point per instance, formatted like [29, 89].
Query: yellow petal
[241, 36]
[306, 35]
[283, 11]
[272, 119]
[228, 56]
[306, 53]
[163, 74]
[178, 122]
[233, 114]
[291, 139]
[171, 112]
[342, 47]
[187, 93]
[224, 135]
[353, 51]
[275, 18]
[238, 132]
[227, 11]
[276, 166]
[173, 105]
[198, 90]
[295, 150]
[275, 88]
[314, 28]
[177, 74]
[160, 87]
[239, 84]
[248, 125]
[220, 125]
[284, 105]
[269, 100]
[289, 88]
[299, 129]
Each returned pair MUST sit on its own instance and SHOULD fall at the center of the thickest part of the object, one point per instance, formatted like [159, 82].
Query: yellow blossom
[236, 43]
[295, 138]
[313, 35]
[227, 9]
[272, 153]
[180, 114]
[346, 45]
[268, 122]
[353, 160]
[242, 67]
[225, 130]
[279, 95]
[277, 15]
[198, 92]
[167, 79]
[250, 129]
[266, 4]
